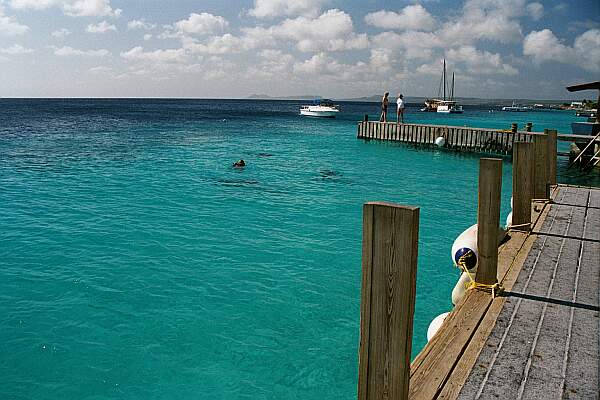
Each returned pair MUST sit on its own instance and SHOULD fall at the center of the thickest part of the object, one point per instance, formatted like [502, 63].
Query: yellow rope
[520, 225]
[495, 289]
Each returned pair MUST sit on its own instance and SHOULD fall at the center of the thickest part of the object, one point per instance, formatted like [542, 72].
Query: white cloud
[201, 24]
[156, 56]
[286, 8]
[587, 47]
[417, 45]
[479, 62]
[101, 27]
[139, 24]
[33, 4]
[217, 45]
[101, 70]
[16, 49]
[414, 17]
[61, 33]
[73, 8]
[148, 36]
[544, 46]
[91, 8]
[332, 31]
[67, 51]
[535, 10]
[10, 26]
[489, 20]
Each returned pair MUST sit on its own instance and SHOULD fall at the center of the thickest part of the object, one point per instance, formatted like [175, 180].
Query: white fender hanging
[435, 325]
[440, 141]
[465, 246]
[509, 220]
[461, 287]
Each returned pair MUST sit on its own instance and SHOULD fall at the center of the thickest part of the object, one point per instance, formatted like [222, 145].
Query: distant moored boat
[442, 105]
[321, 108]
[516, 108]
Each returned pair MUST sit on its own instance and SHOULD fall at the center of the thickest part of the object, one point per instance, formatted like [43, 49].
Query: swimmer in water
[239, 164]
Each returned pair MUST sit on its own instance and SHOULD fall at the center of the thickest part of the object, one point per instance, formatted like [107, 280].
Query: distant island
[267, 97]
[474, 101]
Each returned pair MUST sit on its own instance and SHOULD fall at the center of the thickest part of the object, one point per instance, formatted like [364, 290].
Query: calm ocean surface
[136, 263]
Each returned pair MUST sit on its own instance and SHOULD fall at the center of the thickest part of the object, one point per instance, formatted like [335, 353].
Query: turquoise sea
[136, 263]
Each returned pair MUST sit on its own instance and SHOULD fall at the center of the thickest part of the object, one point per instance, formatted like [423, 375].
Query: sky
[332, 48]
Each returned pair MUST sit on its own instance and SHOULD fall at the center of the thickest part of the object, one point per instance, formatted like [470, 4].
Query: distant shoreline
[473, 101]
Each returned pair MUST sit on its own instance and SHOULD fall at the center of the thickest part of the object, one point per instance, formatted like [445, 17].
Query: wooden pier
[480, 140]
[529, 326]
[494, 141]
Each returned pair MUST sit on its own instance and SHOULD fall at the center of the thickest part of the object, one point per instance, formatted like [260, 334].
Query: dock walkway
[545, 341]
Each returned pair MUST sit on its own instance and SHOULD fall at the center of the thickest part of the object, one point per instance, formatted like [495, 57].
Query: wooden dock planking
[542, 348]
[523, 345]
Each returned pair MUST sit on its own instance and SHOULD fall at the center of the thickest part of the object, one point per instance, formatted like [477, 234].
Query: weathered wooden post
[389, 271]
[514, 127]
[552, 154]
[528, 127]
[488, 219]
[522, 184]
[540, 167]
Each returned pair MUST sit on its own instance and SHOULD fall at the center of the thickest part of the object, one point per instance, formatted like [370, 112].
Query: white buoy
[509, 220]
[511, 202]
[435, 325]
[440, 141]
[461, 287]
[466, 245]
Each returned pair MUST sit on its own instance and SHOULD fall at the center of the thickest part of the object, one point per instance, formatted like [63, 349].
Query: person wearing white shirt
[400, 109]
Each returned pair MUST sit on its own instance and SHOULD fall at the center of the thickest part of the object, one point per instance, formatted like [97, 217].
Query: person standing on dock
[400, 109]
[384, 106]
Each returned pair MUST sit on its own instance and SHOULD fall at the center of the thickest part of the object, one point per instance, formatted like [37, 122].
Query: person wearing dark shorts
[384, 106]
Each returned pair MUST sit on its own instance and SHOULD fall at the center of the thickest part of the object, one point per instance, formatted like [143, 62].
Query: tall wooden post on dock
[488, 217]
[540, 167]
[514, 127]
[528, 127]
[522, 188]
[552, 154]
[389, 270]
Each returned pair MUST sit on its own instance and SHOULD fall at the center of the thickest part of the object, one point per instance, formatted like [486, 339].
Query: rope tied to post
[496, 289]
[525, 225]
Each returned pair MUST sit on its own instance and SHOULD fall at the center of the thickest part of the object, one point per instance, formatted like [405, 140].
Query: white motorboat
[321, 108]
[516, 108]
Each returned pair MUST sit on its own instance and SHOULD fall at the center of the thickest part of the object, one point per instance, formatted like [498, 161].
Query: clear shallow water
[136, 263]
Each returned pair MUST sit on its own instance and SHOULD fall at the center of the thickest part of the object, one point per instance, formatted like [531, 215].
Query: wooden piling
[389, 267]
[540, 167]
[514, 127]
[488, 217]
[522, 184]
[528, 127]
[552, 154]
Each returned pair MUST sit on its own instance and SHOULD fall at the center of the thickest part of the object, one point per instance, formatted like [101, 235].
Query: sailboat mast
[444, 78]
[452, 89]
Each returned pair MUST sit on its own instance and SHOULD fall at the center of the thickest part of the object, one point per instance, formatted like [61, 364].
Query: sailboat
[449, 106]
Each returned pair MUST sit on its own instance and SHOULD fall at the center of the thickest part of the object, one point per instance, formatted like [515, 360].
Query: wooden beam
[389, 270]
[488, 217]
[552, 154]
[584, 86]
[540, 167]
[522, 188]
